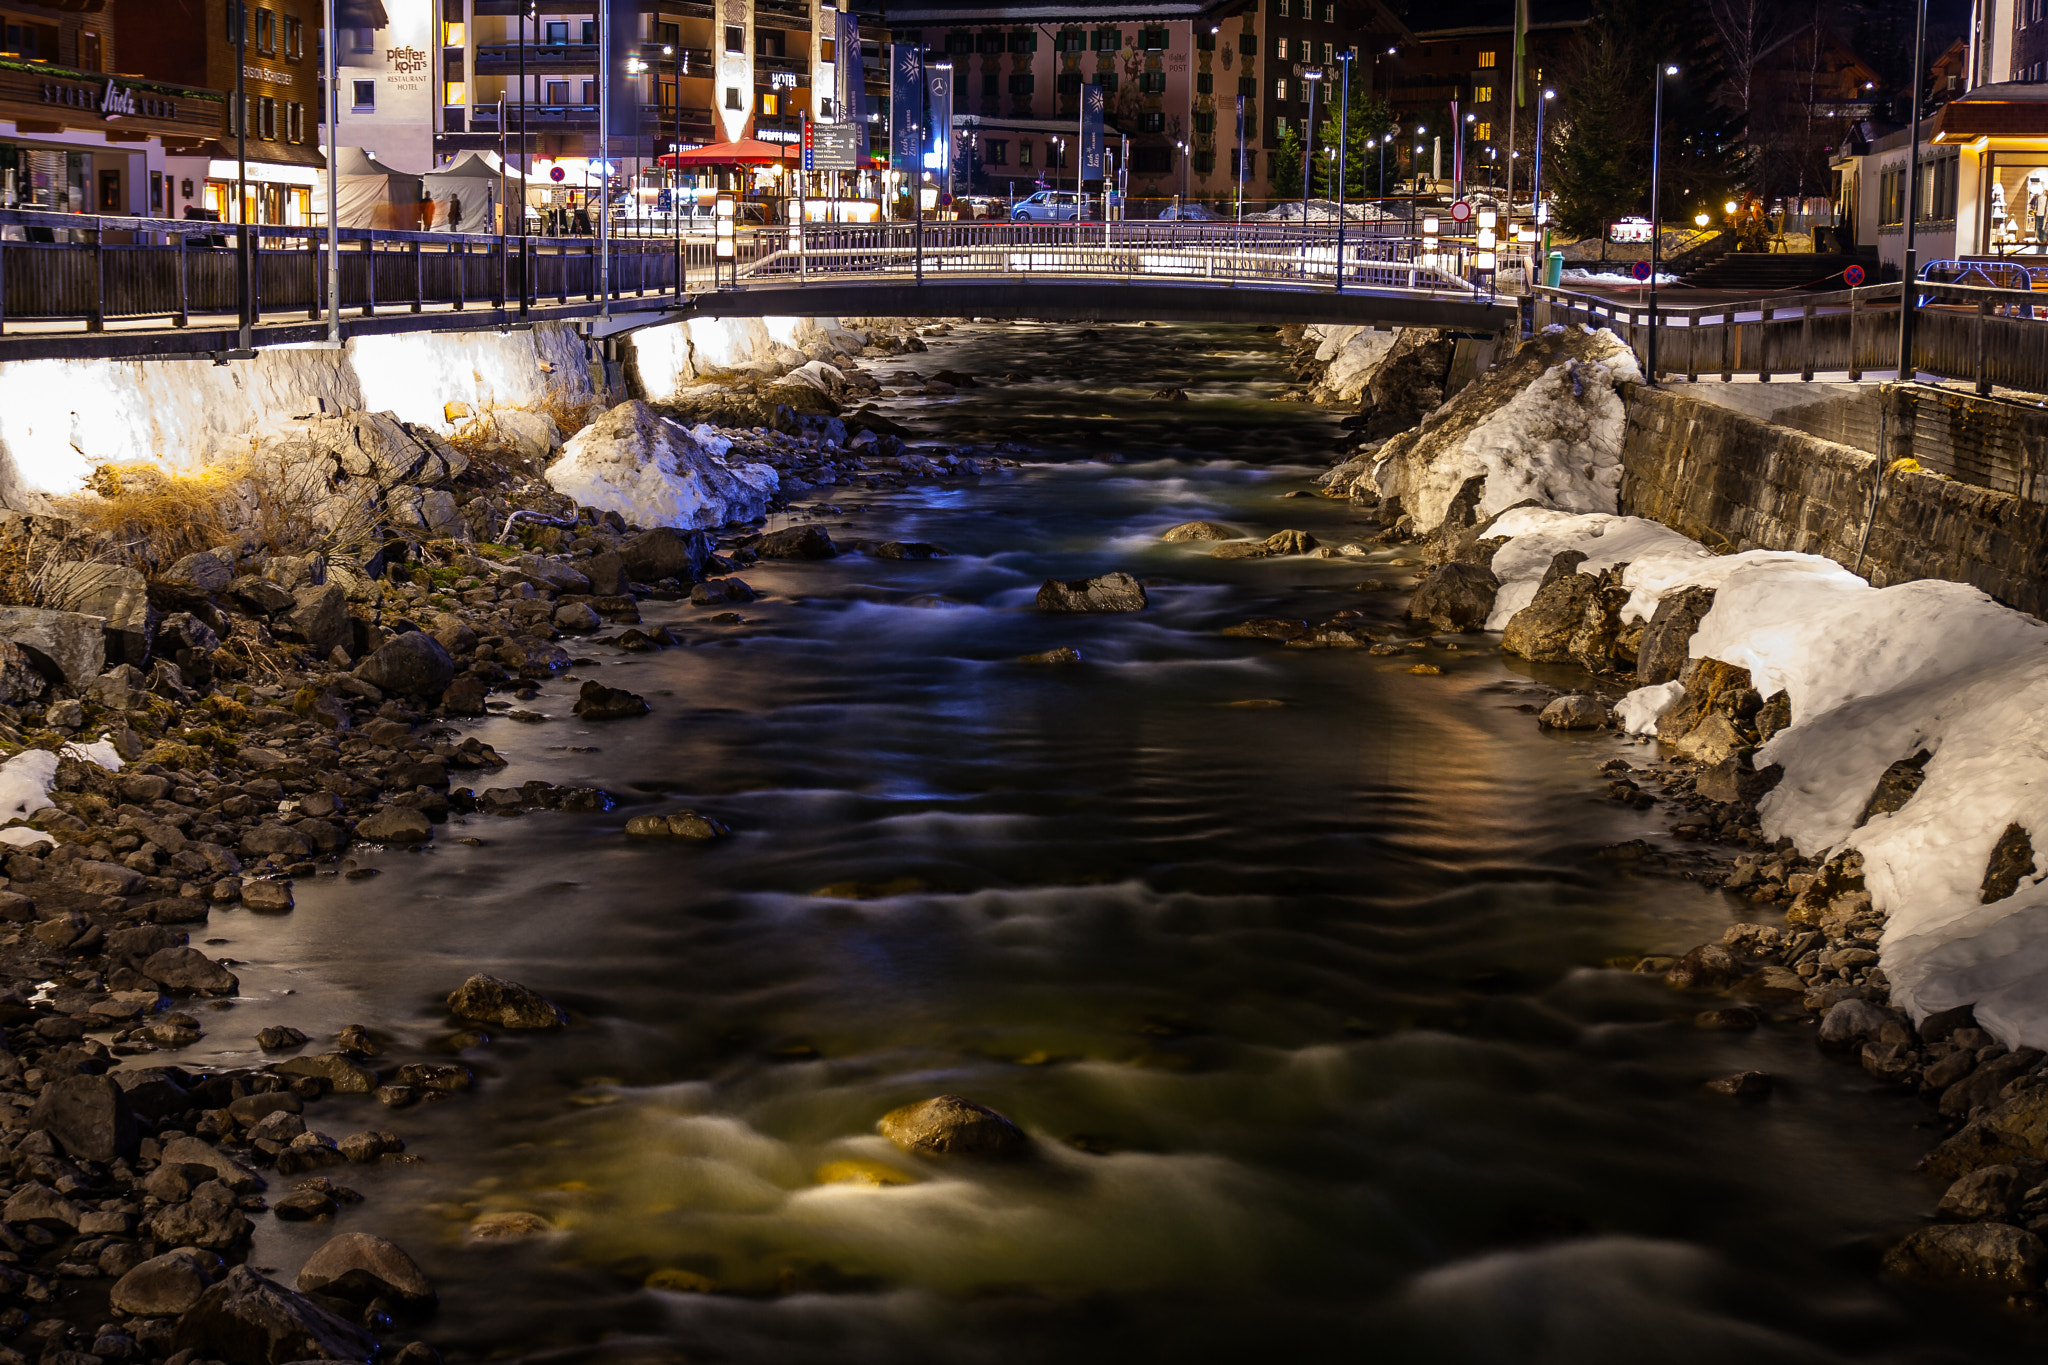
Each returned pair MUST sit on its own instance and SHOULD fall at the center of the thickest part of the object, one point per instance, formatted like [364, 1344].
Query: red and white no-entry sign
[1460, 211]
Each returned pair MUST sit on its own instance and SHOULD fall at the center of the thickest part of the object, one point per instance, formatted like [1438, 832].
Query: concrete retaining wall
[1736, 482]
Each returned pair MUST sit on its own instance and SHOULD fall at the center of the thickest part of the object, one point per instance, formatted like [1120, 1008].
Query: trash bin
[1553, 270]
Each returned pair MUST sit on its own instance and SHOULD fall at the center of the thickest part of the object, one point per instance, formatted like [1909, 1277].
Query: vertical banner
[1457, 150]
[938, 133]
[1091, 132]
[906, 105]
[849, 80]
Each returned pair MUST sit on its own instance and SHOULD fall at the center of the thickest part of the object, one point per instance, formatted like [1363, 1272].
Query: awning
[1965, 120]
[745, 152]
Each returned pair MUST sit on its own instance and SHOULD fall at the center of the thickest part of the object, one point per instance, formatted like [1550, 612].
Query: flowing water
[1287, 960]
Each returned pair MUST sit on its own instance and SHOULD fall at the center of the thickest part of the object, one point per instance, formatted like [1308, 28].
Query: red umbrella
[745, 152]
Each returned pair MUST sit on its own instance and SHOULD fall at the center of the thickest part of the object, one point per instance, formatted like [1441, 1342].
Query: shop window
[996, 152]
[557, 92]
[1109, 40]
[365, 96]
[735, 38]
[1205, 84]
[1022, 83]
[555, 34]
[1152, 82]
[1152, 39]
[266, 118]
[294, 38]
[732, 98]
[266, 32]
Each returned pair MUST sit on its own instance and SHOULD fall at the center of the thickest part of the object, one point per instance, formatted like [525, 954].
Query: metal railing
[1988, 337]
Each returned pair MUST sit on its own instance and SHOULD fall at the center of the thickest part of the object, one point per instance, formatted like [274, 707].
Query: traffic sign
[1641, 270]
[558, 174]
[1853, 276]
[1460, 211]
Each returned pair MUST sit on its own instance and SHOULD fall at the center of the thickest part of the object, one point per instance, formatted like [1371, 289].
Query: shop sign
[113, 101]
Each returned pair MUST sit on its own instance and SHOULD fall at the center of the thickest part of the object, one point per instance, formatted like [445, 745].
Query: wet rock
[1063, 655]
[88, 1116]
[358, 1267]
[247, 1319]
[1988, 1256]
[1576, 711]
[191, 1151]
[1707, 967]
[41, 1206]
[1980, 1089]
[69, 647]
[665, 552]
[2012, 860]
[1201, 530]
[167, 1285]
[598, 702]
[392, 825]
[414, 664]
[368, 1146]
[268, 897]
[342, 1072]
[488, 1000]
[578, 618]
[686, 824]
[189, 970]
[1895, 787]
[1980, 1196]
[1743, 1085]
[1662, 653]
[720, 591]
[951, 1126]
[1267, 628]
[1107, 592]
[1455, 597]
[465, 697]
[509, 1226]
[1542, 631]
[907, 549]
[1852, 1021]
[208, 1219]
[794, 542]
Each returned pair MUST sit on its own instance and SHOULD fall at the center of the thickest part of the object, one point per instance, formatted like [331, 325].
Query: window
[989, 44]
[1248, 44]
[1487, 58]
[1329, 53]
[1330, 12]
[1205, 162]
[1153, 122]
[1280, 8]
[1482, 94]
[363, 39]
[991, 85]
[294, 38]
[996, 152]
[735, 38]
[1109, 40]
[1205, 122]
[1022, 83]
[295, 122]
[590, 92]
[768, 42]
[768, 104]
[1205, 42]
[1072, 40]
[1023, 154]
[266, 118]
[1891, 197]
[1068, 83]
[1301, 90]
[557, 92]
[732, 97]
[828, 48]
[89, 56]
[1152, 160]
[456, 93]
[1280, 49]
[672, 35]
[1243, 165]
[366, 96]
[266, 31]
[1482, 132]
[1248, 87]
[1279, 127]
[1280, 88]
[589, 32]
[554, 34]
[958, 43]
[1152, 82]
[1205, 84]
[233, 12]
[1023, 40]
[1152, 39]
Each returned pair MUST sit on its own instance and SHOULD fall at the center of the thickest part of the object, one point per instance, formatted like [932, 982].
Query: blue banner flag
[1091, 132]
[849, 81]
[906, 105]
[938, 133]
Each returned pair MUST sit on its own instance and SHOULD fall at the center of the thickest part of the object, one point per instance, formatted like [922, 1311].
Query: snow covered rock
[1637, 712]
[651, 470]
[1350, 355]
[1548, 424]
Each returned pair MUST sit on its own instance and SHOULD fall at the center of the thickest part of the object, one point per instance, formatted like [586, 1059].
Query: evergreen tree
[1370, 121]
[1287, 166]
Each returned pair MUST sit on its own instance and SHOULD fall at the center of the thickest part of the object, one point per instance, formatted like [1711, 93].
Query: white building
[388, 86]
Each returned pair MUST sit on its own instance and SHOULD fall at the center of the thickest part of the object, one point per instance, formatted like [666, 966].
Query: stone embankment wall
[1737, 482]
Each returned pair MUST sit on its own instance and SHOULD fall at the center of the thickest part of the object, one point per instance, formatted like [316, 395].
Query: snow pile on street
[1322, 211]
[1604, 277]
[1351, 355]
[1547, 424]
[1875, 676]
[25, 782]
[653, 472]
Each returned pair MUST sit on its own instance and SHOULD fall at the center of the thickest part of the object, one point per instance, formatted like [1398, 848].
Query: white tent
[466, 193]
[370, 194]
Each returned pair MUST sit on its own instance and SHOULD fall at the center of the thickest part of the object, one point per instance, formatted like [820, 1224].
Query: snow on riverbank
[1875, 677]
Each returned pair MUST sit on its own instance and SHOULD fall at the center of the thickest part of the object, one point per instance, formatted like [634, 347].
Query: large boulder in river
[247, 1319]
[654, 471]
[1201, 530]
[1989, 1256]
[69, 647]
[664, 552]
[1542, 631]
[951, 1126]
[1455, 597]
[1106, 592]
[88, 1116]
[415, 664]
[358, 1267]
[488, 1000]
[1665, 640]
[167, 1285]
[794, 542]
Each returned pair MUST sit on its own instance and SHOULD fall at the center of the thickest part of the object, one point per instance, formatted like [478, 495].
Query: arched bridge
[85, 287]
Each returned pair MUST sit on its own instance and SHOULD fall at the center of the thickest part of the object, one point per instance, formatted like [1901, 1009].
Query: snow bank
[1605, 277]
[1874, 676]
[1350, 356]
[1639, 710]
[1548, 425]
[653, 472]
[25, 782]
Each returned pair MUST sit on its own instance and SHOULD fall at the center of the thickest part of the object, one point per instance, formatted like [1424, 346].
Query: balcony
[502, 59]
[512, 9]
[580, 118]
[800, 65]
[799, 10]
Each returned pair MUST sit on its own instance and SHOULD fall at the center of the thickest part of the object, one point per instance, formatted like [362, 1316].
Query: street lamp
[1308, 150]
[1343, 150]
[1542, 214]
[1180, 201]
[1908, 297]
[1656, 218]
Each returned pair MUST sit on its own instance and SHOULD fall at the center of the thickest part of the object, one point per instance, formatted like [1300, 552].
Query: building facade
[389, 86]
[196, 43]
[77, 134]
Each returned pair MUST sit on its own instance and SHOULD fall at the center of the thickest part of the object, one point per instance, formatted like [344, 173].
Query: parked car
[1048, 206]
[976, 207]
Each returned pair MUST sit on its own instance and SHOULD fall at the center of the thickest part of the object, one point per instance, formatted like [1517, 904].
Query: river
[1287, 959]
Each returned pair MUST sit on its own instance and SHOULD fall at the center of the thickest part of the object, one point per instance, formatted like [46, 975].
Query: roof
[1454, 18]
[2009, 109]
